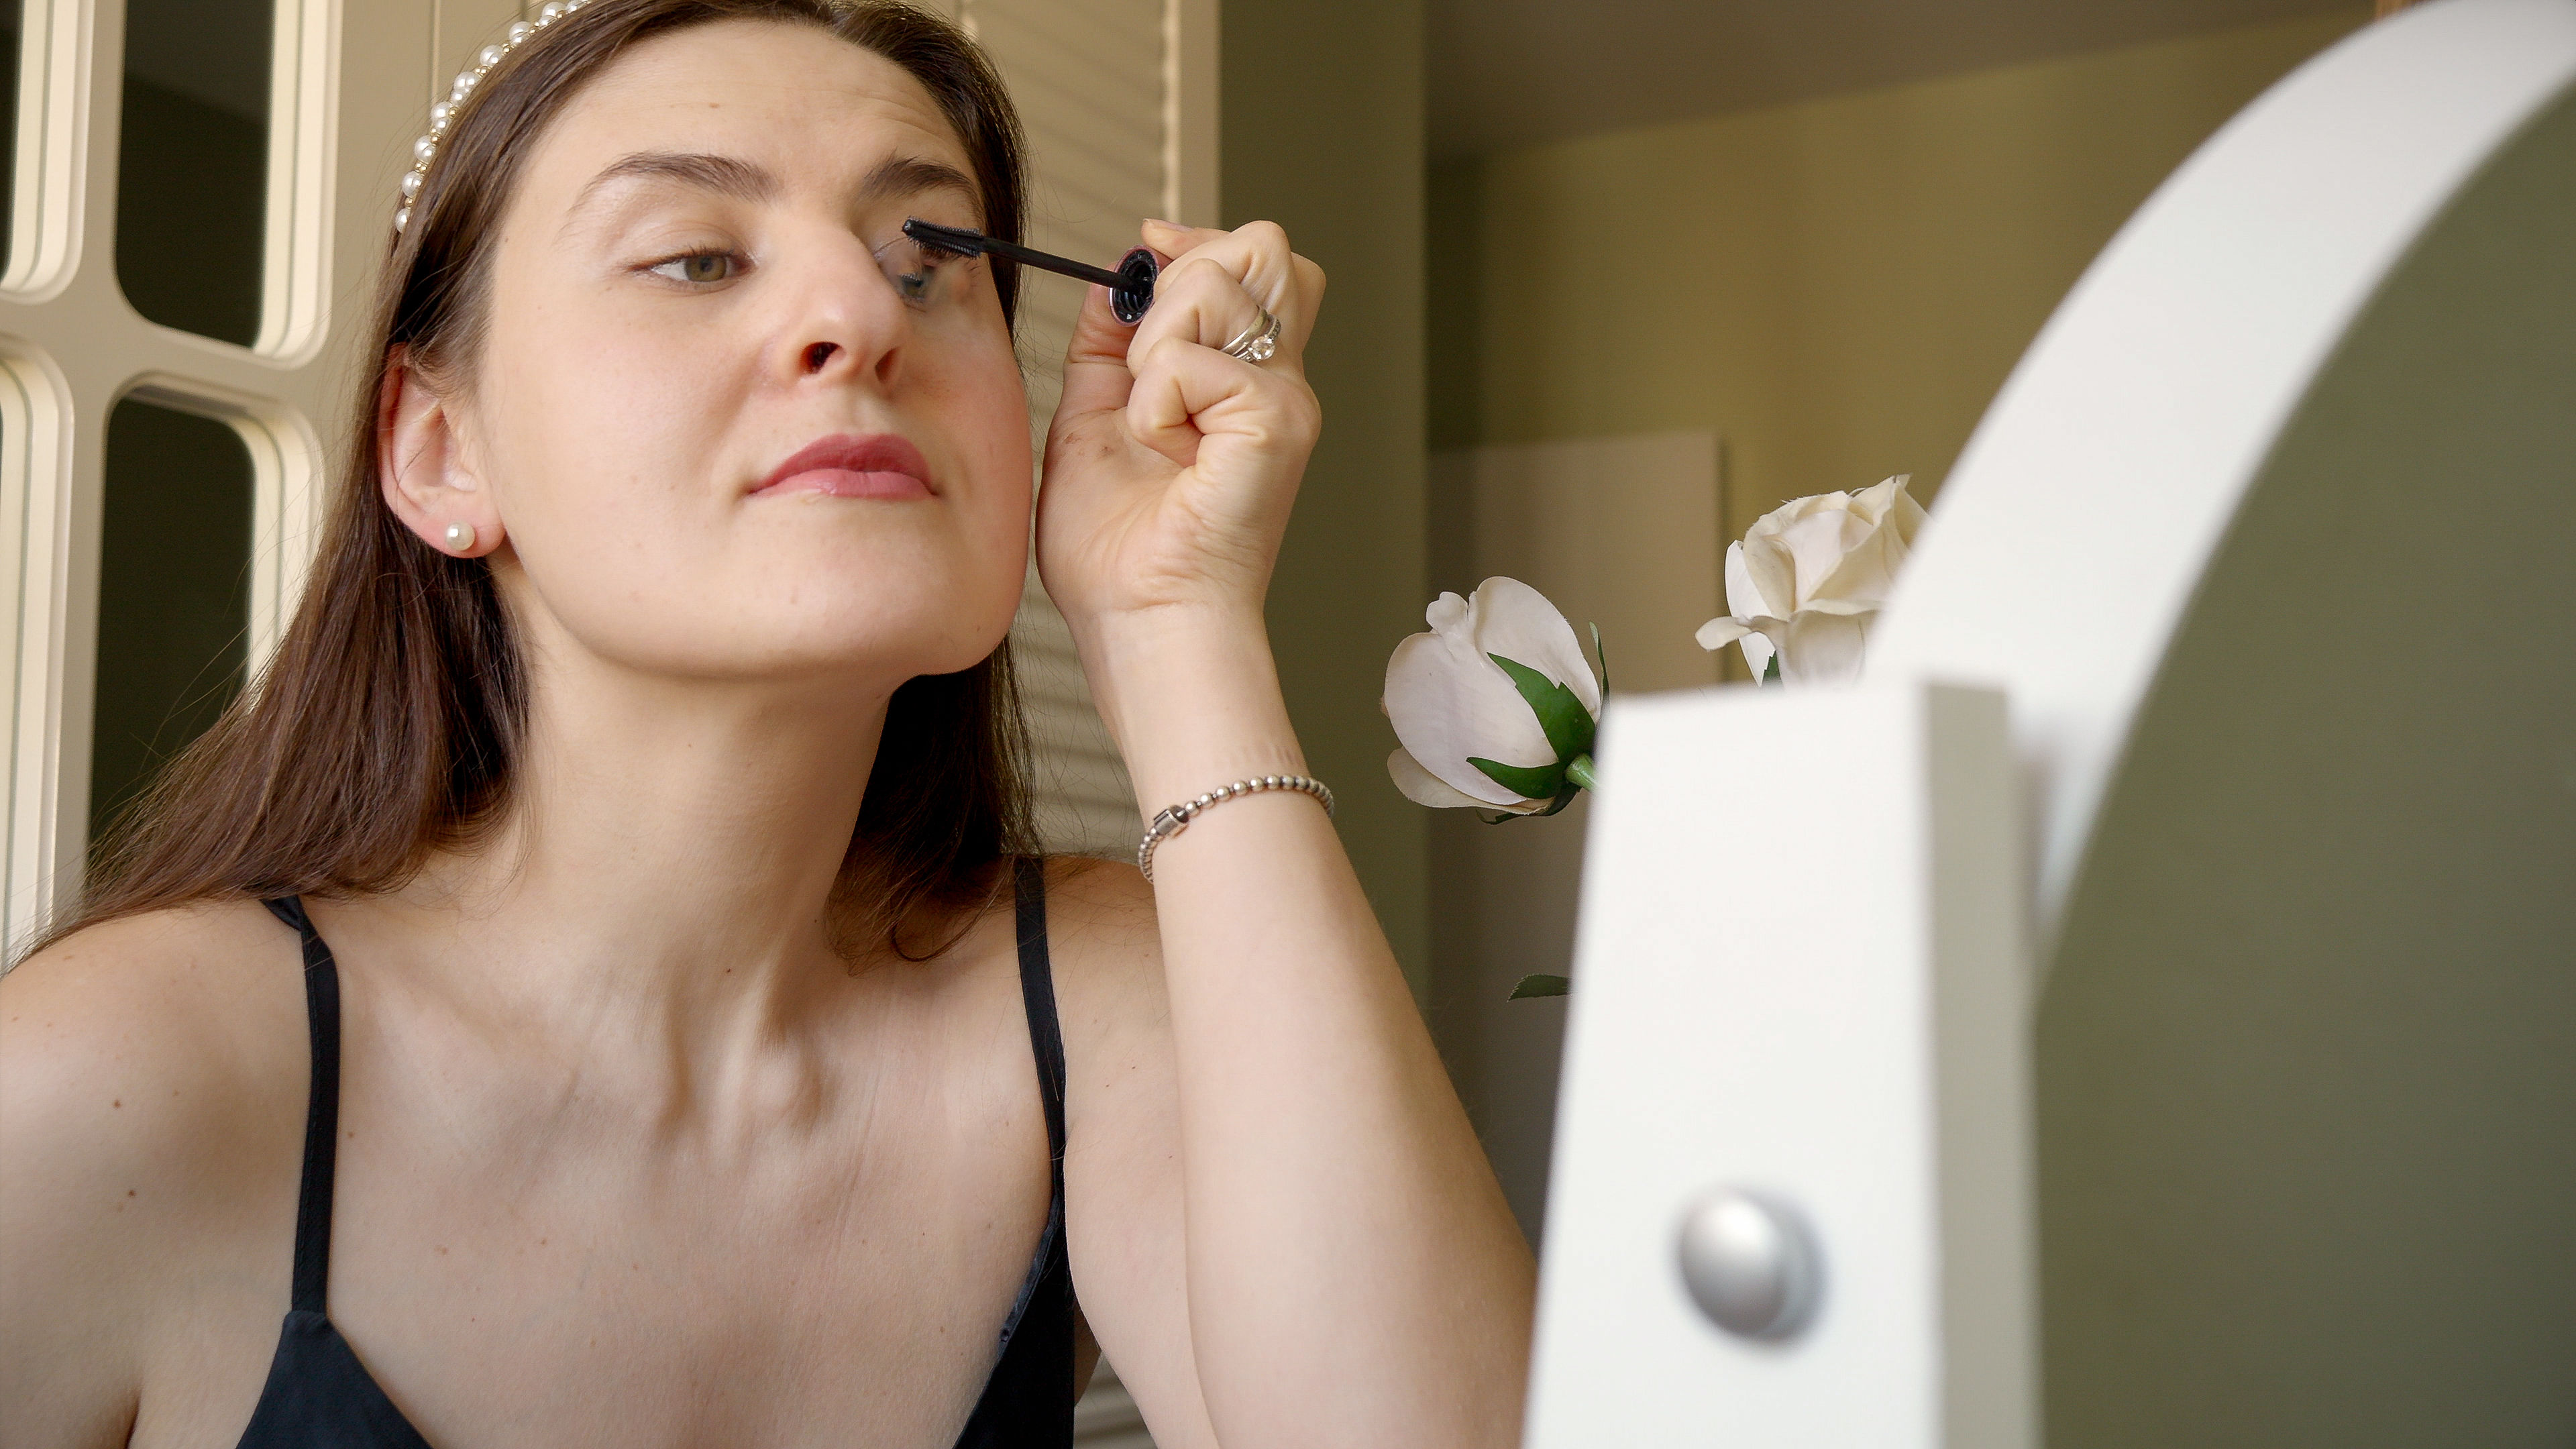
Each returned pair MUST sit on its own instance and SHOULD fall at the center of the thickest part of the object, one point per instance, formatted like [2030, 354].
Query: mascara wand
[1131, 287]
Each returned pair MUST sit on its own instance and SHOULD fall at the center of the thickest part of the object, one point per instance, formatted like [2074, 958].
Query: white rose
[1450, 702]
[1809, 579]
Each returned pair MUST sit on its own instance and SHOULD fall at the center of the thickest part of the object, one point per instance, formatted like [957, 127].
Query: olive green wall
[1322, 133]
[1837, 287]
[2306, 1061]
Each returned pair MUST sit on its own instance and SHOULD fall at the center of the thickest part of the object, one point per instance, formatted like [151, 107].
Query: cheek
[601, 481]
[979, 409]
[592, 409]
[626, 541]
[607, 448]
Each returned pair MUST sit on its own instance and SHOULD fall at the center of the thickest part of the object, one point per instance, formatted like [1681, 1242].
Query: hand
[1170, 466]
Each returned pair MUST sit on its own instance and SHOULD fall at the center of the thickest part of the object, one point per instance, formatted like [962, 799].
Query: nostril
[818, 354]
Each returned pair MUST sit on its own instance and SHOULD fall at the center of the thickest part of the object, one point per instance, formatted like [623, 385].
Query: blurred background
[1678, 261]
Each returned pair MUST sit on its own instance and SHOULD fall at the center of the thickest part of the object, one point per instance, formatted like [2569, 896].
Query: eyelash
[736, 262]
[933, 262]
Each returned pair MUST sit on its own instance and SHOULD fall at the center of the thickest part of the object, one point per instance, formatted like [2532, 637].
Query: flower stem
[1579, 770]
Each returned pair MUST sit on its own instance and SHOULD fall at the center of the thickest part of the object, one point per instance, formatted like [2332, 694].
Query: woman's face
[733, 423]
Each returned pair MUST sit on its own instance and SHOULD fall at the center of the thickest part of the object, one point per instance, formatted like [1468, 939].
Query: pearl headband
[442, 114]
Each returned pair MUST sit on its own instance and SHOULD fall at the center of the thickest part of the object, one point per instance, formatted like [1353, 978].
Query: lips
[880, 465]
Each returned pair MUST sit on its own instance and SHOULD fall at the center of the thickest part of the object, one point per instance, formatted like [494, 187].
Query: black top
[319, 1394]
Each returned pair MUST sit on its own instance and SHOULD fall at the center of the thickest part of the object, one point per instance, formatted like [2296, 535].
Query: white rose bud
[1809, 579]
[1451, 703]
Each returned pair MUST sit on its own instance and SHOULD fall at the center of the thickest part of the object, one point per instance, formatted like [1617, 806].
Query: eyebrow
[746, 181]
[912, 175]
[723, 175]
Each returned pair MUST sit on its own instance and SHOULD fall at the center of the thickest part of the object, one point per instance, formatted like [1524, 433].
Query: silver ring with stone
[1258, 342]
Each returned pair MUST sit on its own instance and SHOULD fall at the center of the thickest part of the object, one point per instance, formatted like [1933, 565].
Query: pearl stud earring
[460, 537]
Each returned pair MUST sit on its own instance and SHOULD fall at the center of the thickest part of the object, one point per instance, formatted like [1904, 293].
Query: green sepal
[1539, 985]
[1563, 798]
[1568, 726]
[1530, 782]
[1770, 669]
[1560, 713]
[1604, 656]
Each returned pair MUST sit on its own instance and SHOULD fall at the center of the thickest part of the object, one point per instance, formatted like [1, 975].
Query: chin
[831, 657]
[862, 612]
[873, 633]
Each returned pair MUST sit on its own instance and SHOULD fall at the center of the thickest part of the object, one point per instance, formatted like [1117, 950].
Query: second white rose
[1809, 579]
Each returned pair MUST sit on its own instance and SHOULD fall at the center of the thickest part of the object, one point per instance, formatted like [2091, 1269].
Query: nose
[840, 321]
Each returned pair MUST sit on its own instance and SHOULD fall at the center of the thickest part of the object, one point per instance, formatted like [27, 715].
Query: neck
[670, 845]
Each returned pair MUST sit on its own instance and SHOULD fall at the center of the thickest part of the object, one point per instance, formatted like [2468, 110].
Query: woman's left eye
[915, 269]
[915, 285]
[700, 268]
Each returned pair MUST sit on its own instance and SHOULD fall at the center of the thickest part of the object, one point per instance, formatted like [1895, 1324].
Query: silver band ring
[1258, 342]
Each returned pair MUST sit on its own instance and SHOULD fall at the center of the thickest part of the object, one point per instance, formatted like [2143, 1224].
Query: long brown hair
[387, 727]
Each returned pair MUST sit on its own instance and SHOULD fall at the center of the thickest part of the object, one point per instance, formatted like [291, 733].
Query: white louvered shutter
[1119, 101]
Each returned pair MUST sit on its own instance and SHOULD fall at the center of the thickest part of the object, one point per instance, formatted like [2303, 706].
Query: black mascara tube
[1131, 287]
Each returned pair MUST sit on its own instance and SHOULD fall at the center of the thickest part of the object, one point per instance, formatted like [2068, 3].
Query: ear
[428, 477]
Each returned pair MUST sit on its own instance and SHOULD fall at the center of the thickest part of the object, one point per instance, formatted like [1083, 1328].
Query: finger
[1097, 376]
[1199, 301]
[1187, 394]
[1172, 239]
[1258, 257]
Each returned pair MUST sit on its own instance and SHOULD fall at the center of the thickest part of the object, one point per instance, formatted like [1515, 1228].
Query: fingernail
[1165, 225]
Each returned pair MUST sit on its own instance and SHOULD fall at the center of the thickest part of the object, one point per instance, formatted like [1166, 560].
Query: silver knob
[1750, 1263]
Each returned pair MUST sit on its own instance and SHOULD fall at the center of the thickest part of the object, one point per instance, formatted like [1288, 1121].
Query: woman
[636, 792]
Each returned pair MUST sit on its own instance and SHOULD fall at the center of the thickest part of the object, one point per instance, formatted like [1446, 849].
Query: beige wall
[1835, 288]
[1322, 127]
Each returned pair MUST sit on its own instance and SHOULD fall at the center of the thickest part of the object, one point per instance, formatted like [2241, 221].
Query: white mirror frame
[2138, 420]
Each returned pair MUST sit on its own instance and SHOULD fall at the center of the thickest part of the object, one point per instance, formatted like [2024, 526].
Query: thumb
[1096, 375]
[1096, 378]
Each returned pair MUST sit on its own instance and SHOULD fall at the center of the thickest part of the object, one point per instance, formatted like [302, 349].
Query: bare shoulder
[1101, 901]
[1107, 955]
[1101, 932]
[164, 1019]
[152, 1082]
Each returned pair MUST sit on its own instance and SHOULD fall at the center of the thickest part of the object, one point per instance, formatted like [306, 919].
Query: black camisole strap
[1037, 996]
[321, 1113]
[1028, 1402]
[318, 1392]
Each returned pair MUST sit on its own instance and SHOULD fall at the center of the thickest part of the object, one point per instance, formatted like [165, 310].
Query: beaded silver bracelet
[1176, 818]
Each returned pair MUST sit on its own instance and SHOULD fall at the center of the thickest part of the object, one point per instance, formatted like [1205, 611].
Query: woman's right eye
[700, 268]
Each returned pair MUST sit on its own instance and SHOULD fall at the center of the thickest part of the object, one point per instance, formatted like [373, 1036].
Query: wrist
[1192, 699]
[1121, 634]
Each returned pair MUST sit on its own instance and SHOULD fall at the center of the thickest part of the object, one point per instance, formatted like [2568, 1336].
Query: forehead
[792, 98]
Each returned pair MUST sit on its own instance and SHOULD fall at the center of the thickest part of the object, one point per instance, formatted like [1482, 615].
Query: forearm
[1354, 1276]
